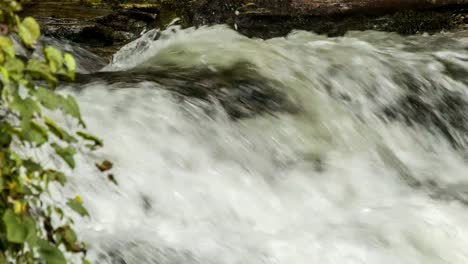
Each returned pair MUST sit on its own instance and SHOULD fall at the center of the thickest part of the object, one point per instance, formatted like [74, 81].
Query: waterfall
[302, 149]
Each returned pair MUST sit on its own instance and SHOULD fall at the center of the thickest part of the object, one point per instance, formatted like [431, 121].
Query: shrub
[33, 228]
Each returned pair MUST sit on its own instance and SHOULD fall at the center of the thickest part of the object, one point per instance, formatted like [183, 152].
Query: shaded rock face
[110, 31]
[107, 27]
[329, 7]
[103, 29]
[403, 22]
[268, 18]
[214, 10]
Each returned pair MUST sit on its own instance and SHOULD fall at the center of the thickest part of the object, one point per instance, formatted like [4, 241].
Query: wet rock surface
[237, 89]
[103, 34]
[106, 27]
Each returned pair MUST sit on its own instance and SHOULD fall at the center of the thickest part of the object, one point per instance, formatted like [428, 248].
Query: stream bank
[105, 26]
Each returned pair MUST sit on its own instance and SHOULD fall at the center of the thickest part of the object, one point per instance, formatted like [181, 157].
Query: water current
[303, 149]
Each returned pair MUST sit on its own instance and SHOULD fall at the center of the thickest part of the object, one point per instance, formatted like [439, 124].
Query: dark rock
[102, 29]
[272, 18]
[109, 26]
[403, 22]
[238, 89]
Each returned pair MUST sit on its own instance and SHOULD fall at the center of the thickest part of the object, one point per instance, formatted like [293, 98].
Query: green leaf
[30, 130]
[58, 131]
[70, 236]
[54, 58]
[56, 176]
[30, 226]
[34, 133]
[77, 205]
[16, 233]
[32, 166]
[18, 160]
[14, 65]
[50, 253]
[29, 31]
[59, 211]
[48, 98]
[71, 65]
[25, 107]
[66, 153]
[14, 6]
[5, 74]
[96, 141]
[19, 229]
[40, 70]
[71, 108]
[7, 46]
[15, 68]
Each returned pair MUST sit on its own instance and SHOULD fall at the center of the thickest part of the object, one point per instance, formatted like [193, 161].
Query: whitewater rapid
[356, 175]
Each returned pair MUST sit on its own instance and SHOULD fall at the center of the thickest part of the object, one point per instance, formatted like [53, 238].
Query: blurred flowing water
[370, 167]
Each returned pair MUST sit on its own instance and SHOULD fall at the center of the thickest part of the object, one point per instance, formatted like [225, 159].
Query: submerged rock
[444, 114]
[239, 90]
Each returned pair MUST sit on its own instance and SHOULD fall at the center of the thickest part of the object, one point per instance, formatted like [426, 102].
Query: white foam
[218, 191]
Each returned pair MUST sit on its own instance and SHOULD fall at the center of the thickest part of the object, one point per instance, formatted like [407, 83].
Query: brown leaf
[104, 166]
[111, 178]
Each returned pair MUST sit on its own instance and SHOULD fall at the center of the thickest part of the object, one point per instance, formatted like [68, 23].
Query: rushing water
[370, 167]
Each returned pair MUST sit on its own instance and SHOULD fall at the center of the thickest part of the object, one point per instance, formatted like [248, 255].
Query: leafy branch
[33, 229]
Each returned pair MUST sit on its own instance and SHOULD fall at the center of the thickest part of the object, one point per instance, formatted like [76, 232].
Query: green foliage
[77, 205]
[31, 229]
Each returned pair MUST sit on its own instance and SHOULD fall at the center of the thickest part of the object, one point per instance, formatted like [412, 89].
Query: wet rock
[330, 7]
[403, 22]
[267, 18]
[239, 90]
[108, 26]
[102, 29]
